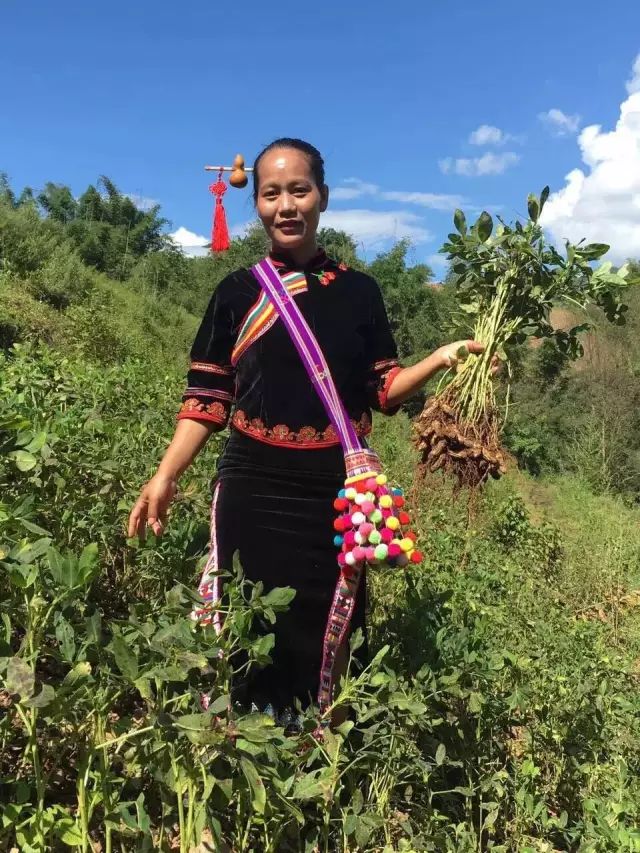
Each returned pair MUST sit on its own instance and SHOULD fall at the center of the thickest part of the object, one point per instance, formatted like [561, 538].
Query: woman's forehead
[284, 161]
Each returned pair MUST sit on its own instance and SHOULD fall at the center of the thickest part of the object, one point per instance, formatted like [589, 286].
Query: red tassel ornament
[219, 231]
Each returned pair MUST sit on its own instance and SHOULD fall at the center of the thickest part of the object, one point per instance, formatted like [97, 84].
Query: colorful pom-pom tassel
[381, 552]
[371, 526]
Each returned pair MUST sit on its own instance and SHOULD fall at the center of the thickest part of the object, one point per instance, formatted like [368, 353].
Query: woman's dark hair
[315, 159]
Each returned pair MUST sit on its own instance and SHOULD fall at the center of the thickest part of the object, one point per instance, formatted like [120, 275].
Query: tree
[339, 245]
[58, 203]
[7, 195]
[412, 306]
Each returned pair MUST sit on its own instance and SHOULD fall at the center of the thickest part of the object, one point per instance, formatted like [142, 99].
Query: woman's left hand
[453, 354]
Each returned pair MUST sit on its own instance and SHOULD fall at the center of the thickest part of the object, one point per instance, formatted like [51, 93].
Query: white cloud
[633, 85]
[436, 201]
[488, 164]
[142, 202]
[374, 227]
[356, 189]
[602, 201]
[487, 134]
[193, 245]
[438, 263]
[560, 123]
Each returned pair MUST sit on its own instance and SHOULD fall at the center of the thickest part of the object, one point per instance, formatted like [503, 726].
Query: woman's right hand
[150, 510]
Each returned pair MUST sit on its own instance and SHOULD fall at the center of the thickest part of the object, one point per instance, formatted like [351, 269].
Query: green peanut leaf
[460, 222]
[24, 460]
[484, 226]
[544, 195]
[125, 658]
[20, 678]
[259, 798]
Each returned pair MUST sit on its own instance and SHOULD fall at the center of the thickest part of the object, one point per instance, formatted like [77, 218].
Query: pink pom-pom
[350, 538]
[341, 560]
[387, 535]
[359, 553]
[370, 554]
[371, 484]
[387, 513]
[365, 529]
[346, 522]
[394, 550]
[368, 507]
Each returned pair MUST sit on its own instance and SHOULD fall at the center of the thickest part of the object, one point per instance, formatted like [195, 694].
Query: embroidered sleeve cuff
[386, 380]
[198, 410]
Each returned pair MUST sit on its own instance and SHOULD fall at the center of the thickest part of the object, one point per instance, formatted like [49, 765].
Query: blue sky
[391, 93]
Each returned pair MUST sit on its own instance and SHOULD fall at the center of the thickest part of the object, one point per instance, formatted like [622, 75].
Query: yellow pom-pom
[386, 501]
[393, 524]
[381, 479]
[406, 545]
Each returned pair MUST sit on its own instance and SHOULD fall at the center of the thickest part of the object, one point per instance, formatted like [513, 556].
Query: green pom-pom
[375, 516]
[375, 538]
[381, 552]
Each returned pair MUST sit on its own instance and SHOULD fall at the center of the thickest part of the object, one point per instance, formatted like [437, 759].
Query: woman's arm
[410, 380]
[150, 510]
[188, 440]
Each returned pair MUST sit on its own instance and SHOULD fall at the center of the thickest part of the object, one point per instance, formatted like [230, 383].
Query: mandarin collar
[284, 262]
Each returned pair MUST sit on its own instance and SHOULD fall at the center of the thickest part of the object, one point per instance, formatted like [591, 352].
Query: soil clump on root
[469, 452]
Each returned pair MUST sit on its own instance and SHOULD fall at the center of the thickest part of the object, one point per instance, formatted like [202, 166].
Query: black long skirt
[273, 507]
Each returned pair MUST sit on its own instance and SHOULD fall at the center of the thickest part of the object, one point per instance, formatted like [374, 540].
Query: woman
[282, 464]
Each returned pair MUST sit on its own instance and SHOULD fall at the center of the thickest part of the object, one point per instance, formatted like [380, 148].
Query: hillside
[501, 709]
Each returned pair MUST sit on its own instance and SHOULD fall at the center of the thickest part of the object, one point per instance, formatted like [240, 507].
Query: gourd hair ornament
[238, 178]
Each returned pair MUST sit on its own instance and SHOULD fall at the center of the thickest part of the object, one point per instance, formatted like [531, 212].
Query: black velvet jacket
[244, 366]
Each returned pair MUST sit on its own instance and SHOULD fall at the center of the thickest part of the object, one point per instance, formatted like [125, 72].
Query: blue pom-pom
[337, 541]
[397, 492]
[341, 493]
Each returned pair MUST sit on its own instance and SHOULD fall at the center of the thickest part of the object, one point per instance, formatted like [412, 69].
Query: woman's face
[289, 201]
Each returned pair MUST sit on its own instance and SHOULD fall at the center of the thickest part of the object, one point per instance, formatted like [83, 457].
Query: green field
[501, 710]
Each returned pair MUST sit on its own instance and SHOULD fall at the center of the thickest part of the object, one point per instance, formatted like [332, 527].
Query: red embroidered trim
[210, 392]
[385, 364]
[306, 437]
[193, 408]
[207, 367]
[385, 385]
